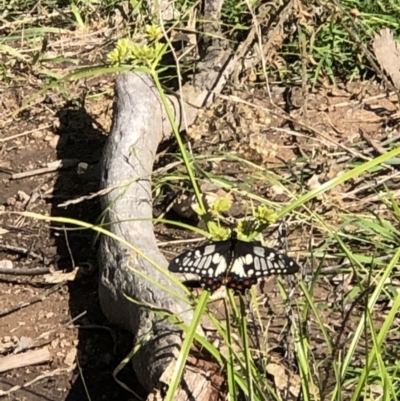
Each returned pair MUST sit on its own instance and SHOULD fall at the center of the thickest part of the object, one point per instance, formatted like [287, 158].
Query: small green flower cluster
[247, 228]
[146, 54]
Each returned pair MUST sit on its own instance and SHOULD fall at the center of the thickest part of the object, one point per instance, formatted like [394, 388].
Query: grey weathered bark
[139, 124]
[127, 162]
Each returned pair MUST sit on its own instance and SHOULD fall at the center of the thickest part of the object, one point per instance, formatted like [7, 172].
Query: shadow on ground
[101, 347]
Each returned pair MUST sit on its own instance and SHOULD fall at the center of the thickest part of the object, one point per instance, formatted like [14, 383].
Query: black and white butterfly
[234, 263]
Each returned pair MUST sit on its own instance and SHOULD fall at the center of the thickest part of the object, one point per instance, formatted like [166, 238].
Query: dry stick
[374, 143]
[102, 192]
[47, 333]
[19, 249]
[9, 138]
[29, 358]
[51, 167]
[35, 194]
[74, 319]
[25, 272]
[371, 149]
[99, 327]
[362, 101]
[377, 197]
[36, 379]
[180, 241]
[369, 185]
[88, 197]
[34, 300]
[276, 30]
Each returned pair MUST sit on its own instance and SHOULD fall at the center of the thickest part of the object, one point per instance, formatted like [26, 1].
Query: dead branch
[50, 168]
[29, 358]
[139, 124]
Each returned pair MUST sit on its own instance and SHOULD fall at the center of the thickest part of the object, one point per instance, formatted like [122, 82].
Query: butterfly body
[234, 263]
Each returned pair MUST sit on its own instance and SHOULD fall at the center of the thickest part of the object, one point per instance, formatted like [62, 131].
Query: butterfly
[234, 263]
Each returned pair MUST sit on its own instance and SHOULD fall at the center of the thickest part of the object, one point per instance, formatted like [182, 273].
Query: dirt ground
[84, 349]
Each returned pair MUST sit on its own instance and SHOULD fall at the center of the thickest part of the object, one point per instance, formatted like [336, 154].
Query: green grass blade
[186, 346]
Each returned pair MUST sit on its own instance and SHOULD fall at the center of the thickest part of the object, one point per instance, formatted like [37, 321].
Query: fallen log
[140, 123]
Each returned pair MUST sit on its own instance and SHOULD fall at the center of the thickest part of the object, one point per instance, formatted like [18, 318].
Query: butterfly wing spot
[202, 263]
[259, 251]
[210, 283]
[239, 284]
[208, 250]
[221, 268]
[216, 258]
[187, 262]
[237, 268]
[208, 262]
[263, 265]
[196, 262]
[248, 259]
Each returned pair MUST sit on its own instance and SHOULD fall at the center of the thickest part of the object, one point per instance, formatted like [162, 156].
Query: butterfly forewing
[209, 261]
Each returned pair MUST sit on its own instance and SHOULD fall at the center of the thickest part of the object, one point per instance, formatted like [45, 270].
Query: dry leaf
[387, 51]
[284, 380]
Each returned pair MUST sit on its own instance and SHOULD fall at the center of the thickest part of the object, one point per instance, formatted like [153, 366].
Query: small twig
[69, 248]
[377, 197]
[98, 327]
[34, 300]
[169, 206]
[370, 185]
[75, 319]
[371, 149]
[36, 379]
[23, 251]
[359, 102]
[374, 143]
[35, 194]
[25, 272]
[96, 194]
[180, 241]
[47, 333]
[87, 197]
[9, 138]
[50, 168]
